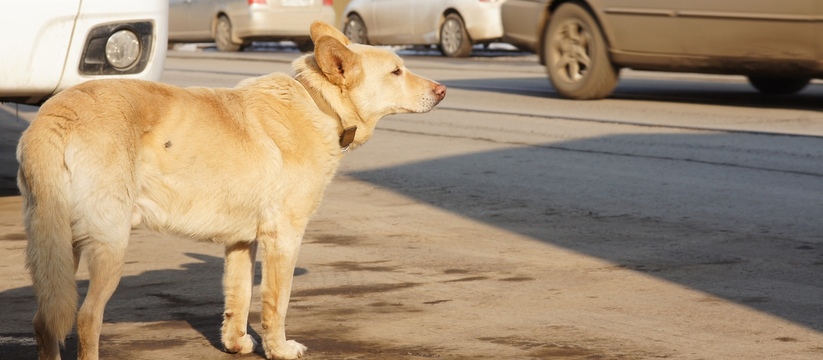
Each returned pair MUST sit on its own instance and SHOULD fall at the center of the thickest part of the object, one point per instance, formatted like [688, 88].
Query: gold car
[583, 44]
[234, 24]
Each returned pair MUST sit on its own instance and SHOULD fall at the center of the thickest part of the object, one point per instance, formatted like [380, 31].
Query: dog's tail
[44, 183]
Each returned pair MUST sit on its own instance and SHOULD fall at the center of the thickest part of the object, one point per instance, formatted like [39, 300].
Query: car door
[179, 26]
[392, 21]
[425, 17]
[191, 19]
[764, 29]
[521, 22]
[640, 26]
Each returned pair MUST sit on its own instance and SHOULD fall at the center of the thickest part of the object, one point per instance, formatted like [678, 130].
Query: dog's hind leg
[107, 224]
[105, 261]
[279, 260]
[238, 279]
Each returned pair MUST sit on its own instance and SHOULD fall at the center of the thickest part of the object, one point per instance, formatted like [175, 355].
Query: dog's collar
[347, 137]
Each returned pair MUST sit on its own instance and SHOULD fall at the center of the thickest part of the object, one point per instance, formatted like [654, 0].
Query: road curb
[526, 63]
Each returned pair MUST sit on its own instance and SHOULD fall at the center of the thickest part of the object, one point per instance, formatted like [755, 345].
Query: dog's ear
[340, 65]
[320, 29]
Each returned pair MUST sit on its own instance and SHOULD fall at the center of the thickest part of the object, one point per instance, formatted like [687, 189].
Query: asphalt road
[679, 219]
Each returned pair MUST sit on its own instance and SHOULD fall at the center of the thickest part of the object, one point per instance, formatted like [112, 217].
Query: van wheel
[777, 85]
[355, 29]
[222, 35]
[454, 40]
[577, 60]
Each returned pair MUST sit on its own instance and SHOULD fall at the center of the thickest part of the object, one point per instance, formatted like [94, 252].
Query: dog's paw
[243, 345]
[288, 350]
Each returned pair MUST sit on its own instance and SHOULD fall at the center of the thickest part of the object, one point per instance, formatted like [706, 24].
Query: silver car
[584, 43]
[453, 25]
[234, 24]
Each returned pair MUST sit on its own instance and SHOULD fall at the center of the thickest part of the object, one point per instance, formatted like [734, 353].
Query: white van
[50, 45]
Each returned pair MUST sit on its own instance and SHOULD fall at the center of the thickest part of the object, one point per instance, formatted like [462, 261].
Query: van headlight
[123, 49]
[117, 48]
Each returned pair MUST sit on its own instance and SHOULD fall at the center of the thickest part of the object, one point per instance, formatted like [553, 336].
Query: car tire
[576, 54]
[454, 40]
[222, 35]
[355, 29]
[778, 85]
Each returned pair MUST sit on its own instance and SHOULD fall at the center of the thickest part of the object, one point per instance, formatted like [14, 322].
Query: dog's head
[372, 81]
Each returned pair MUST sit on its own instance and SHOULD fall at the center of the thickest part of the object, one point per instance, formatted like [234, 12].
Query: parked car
[234, 24]
[584, 43]
[50, 45]
[453, 25]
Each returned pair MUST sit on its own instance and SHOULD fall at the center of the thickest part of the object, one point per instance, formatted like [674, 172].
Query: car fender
[476, 19]
[28, 67]
[545, 17]
[234, 11]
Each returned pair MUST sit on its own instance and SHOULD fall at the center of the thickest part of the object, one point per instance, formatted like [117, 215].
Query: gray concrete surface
[679, 219]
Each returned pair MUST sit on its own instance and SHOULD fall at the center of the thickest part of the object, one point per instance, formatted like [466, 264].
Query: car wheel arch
[230, 43]
[442, 19]
[350, 13]
[577, 59]
[546, 19]
[214, 21]
[365, 26]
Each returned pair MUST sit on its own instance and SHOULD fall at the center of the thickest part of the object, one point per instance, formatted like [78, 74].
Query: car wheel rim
[452, 35]
[571, 49]
[223, 33]
[354, 31]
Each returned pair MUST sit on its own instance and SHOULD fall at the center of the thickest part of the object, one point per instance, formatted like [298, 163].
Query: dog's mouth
[425, 106]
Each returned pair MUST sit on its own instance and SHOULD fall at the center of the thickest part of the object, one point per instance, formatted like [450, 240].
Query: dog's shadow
[188, 297]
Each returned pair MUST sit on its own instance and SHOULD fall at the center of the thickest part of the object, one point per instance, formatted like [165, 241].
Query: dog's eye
[397, 72]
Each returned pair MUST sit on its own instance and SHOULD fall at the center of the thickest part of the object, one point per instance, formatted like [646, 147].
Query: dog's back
[109, 154]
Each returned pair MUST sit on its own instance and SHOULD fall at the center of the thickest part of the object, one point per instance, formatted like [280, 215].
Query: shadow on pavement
[172, 296]
[677, 91]
[683, 208]
[13, 120]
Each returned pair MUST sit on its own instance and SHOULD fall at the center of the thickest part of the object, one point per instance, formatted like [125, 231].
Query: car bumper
[51, 63]
[260, 23]
[485, 24]
[155, 52]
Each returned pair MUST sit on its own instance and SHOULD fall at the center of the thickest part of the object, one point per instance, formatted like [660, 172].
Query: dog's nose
[440, 92]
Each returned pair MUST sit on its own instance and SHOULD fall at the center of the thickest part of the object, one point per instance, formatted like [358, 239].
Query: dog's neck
[350, 125]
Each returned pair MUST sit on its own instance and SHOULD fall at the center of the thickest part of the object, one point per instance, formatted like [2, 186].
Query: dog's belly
[197, 219]
[223, 201]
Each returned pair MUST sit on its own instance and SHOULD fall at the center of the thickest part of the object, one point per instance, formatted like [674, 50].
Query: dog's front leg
[238, 279]
[280, 258]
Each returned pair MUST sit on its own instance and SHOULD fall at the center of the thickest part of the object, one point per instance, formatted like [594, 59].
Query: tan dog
[240, 167]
